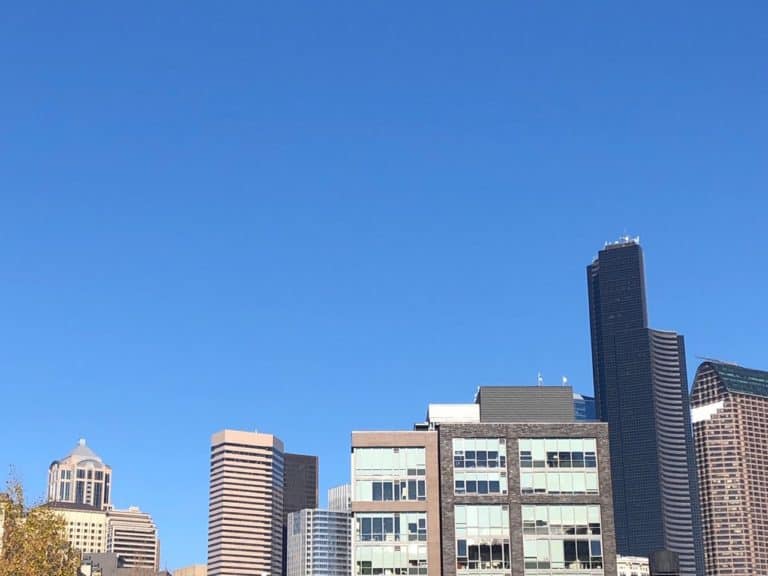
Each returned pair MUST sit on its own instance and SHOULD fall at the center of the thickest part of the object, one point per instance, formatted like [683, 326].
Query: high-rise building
[82, 478]
[132, 536]
[730, 424]
[300, 490]
[245, 509]
[340, 498]
[301, 479]
[641, 391]
[319, 543]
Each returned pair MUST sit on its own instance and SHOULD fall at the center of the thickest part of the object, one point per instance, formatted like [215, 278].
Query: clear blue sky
[315, 217]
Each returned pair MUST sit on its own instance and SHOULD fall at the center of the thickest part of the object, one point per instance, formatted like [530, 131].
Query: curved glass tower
[641, 391]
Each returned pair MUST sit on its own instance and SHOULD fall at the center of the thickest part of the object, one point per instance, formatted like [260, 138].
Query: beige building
[196, 570]
[730, 424]
[86, 527]
[245, 507]
[632, 566]
[80, 478]
[132, 535]
[396, 503]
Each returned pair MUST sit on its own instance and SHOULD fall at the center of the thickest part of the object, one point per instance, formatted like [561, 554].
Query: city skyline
[298, 218]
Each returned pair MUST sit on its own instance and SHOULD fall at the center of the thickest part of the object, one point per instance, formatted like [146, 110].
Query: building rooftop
[740, 380]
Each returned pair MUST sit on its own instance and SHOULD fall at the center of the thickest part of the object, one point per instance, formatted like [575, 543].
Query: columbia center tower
[641, 391]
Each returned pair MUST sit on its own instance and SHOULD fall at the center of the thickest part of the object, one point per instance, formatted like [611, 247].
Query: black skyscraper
[299, 491]
[641, 391]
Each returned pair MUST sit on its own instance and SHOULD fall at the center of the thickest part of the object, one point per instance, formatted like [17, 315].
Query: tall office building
[340, 498]
[245, 509]
[132, 536]
[730, 424]
[300, 490]
[301, 478]
[641, 391]
[81, 478]
[319, 543]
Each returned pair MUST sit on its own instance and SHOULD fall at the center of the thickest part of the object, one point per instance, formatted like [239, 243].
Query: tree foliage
[33, 540]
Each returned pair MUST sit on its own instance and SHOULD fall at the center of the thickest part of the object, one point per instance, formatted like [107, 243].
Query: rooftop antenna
[565, 380]
[539, 380]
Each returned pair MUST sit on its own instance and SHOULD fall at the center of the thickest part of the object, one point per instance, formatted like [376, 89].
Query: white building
[80, 478]
[319, 543]
[632, 566]
[85, 527]
[340, 498]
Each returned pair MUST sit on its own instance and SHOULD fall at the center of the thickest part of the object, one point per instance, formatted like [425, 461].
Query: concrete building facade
[319, 543]
[730, 423]
[245, 513]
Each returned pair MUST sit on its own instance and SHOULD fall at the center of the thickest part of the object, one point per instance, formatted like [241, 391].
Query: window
[482, 538]
[480, 466]
[562, 538]
[558, 466]
[392, 527]
[486, 453]
[391, 559]
[389, 474]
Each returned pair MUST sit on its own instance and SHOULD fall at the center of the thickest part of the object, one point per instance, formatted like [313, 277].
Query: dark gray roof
[740, 380]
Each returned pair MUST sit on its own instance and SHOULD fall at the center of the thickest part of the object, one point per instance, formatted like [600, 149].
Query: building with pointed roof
[82, 478]
[730, 424]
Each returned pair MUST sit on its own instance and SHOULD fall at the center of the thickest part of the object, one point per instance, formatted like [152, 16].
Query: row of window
[389, 462]
[560, 554]
[405, 559]
[395, 527]
[390, 490]
[572, 482]
[479, 453]
[558, 453]
[555, 537]
[472, 555]
[480, 482]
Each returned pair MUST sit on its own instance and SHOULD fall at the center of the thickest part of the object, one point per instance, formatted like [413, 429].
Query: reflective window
[389, 474]
[482, 539]
[557, 538]
[480, 465]
[383, 559]
[558, 466]
[391, 527]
